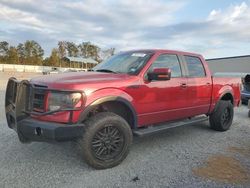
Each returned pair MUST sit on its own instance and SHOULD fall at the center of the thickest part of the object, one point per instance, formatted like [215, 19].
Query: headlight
[61, 100]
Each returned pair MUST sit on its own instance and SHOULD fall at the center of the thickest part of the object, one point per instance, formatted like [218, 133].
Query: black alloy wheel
[107, 143]
[226, 116]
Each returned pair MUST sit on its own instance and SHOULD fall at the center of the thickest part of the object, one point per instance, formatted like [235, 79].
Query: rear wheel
[106, 140]
[22, 138]
[222, 117]
[249, 113]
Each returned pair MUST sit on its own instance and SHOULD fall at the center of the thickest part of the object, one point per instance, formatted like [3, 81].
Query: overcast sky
[215, 28]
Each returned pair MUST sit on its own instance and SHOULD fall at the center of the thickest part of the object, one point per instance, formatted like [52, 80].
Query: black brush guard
[19, 106]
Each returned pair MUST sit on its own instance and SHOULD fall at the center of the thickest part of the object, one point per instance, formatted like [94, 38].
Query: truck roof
[164, 51]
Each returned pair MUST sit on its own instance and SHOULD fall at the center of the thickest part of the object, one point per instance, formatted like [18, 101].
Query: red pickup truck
[137, 92]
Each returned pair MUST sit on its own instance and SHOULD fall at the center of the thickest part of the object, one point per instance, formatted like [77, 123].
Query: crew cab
[138, 92]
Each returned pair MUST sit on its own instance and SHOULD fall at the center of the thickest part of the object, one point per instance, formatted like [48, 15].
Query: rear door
[199, 86]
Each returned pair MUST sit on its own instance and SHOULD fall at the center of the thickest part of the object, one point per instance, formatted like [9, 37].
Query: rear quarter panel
[221, 86]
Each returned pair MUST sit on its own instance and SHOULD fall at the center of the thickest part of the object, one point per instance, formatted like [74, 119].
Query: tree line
[31, 53]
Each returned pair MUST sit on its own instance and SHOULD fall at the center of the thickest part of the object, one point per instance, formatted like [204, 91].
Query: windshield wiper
[105, 70]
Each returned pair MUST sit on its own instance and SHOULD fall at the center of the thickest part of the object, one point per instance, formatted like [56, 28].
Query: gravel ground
[180, 157]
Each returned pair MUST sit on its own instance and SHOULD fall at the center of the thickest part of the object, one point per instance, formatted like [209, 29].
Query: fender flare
[225, 93]
[220, 98]
[97, 102]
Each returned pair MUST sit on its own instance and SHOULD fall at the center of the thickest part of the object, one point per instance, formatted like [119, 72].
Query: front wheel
[106, 140]
[222, 117]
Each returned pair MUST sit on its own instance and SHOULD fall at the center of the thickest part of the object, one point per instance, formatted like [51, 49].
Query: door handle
[183, 85]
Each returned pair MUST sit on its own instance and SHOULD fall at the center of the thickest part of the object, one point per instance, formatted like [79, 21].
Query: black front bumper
[17, 103]
[30, 129]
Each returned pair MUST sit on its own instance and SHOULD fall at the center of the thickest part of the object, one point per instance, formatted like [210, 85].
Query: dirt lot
[191, 156]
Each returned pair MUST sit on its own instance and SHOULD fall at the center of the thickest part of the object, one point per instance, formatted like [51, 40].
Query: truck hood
[80, 80]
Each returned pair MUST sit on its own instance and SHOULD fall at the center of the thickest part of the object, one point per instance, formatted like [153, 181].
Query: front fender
[107, 92]
[106, 95]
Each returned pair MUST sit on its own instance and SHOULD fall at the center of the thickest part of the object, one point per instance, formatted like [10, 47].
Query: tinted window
[168, 61]
[195, 66]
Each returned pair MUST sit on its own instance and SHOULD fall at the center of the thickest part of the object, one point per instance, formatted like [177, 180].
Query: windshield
[128, 62]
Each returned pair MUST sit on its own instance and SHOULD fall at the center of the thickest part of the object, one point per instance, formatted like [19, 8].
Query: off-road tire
[22, 139]
[222, 117]
[97, 126]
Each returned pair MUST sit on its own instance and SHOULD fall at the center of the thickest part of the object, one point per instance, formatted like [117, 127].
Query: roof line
[228, 57]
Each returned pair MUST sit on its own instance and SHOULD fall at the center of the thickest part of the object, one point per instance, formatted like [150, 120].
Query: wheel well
[228, 97]
[116, 107]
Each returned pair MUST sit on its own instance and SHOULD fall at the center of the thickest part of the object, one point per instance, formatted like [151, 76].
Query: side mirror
[159, 74]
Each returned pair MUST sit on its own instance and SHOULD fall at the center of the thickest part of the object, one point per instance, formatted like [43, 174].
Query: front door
[163, 100]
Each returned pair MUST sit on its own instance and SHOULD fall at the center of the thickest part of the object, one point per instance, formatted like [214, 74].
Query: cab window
[168, 61]
[195, 66]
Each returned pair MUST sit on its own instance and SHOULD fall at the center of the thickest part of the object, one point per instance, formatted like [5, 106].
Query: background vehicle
[54, 70]
[71, 70]
[136, 92]
[245, 93]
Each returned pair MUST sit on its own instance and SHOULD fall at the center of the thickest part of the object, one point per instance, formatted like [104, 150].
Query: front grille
[39, 98]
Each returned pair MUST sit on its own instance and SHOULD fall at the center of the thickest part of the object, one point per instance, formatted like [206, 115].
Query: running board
[164, 126]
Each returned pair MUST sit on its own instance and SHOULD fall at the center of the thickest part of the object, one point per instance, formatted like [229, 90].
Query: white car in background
[53, 70]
